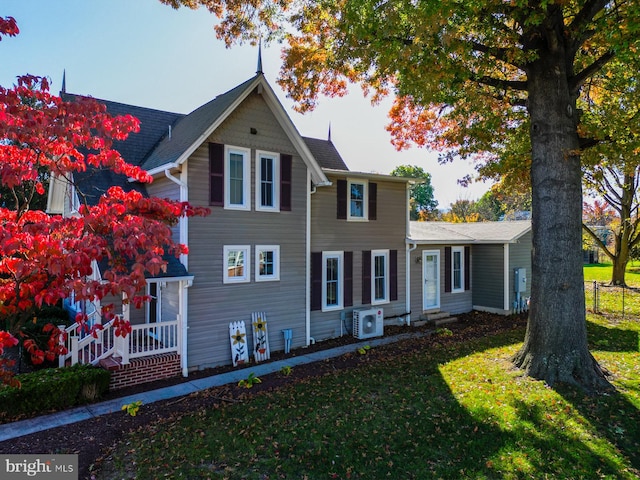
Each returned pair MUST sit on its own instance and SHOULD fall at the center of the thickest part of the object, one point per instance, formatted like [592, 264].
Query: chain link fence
[602, 298]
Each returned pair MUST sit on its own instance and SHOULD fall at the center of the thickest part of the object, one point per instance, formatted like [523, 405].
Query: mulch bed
[92, 439]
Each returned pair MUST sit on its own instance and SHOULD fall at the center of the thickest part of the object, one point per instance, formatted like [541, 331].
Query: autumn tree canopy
[466, 75]
[46, 258]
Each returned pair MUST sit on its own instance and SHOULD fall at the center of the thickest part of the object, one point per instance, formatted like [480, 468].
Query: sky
[144, 53]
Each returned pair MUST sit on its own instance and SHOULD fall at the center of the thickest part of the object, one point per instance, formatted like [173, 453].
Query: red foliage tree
[46, 258]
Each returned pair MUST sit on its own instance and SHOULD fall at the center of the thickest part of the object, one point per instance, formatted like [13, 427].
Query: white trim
[385, 255]
[246, 264]
[455, 289]
[275, 157]
[340, 281]
[246, 178]
[425, 254]
[506, 275]
[276, 263]
[308, 262]
[365, 200]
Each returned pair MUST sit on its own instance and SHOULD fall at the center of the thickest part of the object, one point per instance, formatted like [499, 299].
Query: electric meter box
[520, 280]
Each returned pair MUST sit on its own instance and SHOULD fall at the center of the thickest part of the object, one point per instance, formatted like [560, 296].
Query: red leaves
[45, 259]
[9, 27]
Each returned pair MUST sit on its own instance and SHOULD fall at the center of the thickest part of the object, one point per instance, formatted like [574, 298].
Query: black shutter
[467, 268]
[348, 279]
[393, 275]
[373, 201]
[447, 269]
[342, 200]
[216, 174]
[316, 280]
[286, 162]
[366, 277]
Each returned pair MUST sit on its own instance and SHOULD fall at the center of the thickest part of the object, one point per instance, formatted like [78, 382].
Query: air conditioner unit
[368, 323]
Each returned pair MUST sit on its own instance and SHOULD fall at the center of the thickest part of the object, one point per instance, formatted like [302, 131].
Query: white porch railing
[85, 348]
[144, 340]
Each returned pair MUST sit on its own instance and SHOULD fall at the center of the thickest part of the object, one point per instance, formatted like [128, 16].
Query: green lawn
[451, 410]
[601, 272]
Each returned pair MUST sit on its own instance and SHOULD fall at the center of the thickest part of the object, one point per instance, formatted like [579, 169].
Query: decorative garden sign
[260, 337]
[238, 337]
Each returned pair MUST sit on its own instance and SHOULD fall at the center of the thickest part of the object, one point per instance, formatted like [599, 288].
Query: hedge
[53, 389]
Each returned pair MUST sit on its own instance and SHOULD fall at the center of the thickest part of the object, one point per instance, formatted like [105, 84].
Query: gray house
[459, 267]
[293, 234]
[294, 238]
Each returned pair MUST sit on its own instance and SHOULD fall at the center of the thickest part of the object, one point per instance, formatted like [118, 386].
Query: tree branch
[598, 241]
[578, 80]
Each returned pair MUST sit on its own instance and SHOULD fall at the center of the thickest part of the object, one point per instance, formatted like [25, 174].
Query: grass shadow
[612, 339]
[395, 414]
[614, 416]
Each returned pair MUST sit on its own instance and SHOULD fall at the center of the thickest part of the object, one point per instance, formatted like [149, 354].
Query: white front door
[430, 279]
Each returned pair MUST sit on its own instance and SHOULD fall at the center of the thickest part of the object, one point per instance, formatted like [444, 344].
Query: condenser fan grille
[367, 323]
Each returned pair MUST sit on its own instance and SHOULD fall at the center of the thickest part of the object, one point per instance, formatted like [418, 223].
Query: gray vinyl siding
[212, 305]
[388, 231]
[488, 276]
[162, 187]
[454, 303]
[520, 257]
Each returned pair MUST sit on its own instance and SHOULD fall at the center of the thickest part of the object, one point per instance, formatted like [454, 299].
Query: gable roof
[472, 232]
[326, 154]
[192, 130]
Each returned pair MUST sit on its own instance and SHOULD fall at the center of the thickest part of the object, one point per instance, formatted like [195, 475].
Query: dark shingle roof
[325, 154]
[190, 127]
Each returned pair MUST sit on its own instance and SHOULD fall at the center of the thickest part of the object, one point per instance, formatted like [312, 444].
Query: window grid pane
[379, 278]
[266, 181]
[457, 270]
[266, 263]
[357, 200]
[236, 179]
[235, 263]
[332, 281]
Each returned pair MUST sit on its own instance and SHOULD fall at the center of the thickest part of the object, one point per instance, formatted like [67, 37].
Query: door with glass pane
[430, 279]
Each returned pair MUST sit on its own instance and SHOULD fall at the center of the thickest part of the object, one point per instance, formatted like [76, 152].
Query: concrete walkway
[87, 412]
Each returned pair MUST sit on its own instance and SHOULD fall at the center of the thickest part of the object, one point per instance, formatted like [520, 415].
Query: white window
[267, 263]
[236, 264]
[358, 199]
[457, 269]
[237, 177]
[267, 181]
[379, 277]
[332, 288]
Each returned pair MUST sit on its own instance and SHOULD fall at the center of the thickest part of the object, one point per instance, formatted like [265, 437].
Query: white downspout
[183, 224]
[307, 279]
[408, 251]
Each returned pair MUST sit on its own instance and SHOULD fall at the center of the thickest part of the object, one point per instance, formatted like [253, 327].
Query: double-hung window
[237, 178]
[380, 276]
[358, 200]
[457, 269]
[267, 263]
[267, 181]
[332, 275]
[236, 266]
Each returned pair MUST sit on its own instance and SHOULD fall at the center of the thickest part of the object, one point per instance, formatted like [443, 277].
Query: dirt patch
[93, 439]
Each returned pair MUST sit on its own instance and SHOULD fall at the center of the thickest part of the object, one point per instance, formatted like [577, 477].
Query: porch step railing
[84, 347]
[144, 340]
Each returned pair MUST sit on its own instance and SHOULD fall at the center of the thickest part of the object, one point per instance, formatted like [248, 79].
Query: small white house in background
[459, 267]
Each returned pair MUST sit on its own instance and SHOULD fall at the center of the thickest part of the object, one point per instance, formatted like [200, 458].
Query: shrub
[52, 389]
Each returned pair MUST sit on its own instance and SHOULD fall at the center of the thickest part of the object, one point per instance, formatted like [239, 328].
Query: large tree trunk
[555, 347]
